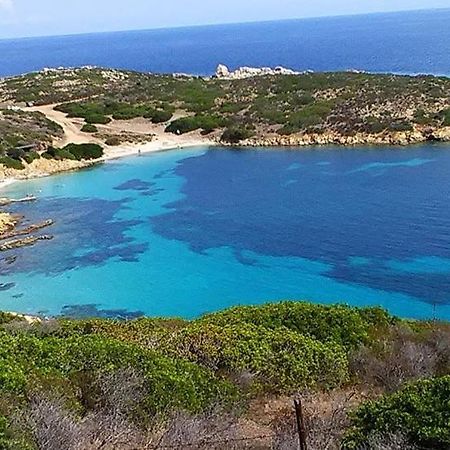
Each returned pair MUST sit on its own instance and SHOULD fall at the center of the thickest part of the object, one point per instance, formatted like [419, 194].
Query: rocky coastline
[400, 139]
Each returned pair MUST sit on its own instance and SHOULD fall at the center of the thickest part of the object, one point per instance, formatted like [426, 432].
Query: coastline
[43, 168]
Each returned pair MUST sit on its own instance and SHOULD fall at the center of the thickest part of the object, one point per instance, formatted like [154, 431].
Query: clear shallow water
[413, 42]
[182, 233]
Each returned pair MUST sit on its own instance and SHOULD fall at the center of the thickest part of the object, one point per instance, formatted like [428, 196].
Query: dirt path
[71, 126]
[160, 140]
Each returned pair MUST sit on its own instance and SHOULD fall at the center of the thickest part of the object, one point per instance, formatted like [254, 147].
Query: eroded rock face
[223, 72]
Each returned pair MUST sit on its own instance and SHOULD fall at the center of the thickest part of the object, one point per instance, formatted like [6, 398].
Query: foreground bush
[343, 324]
[421, 411]
[278, 359]
[76, 363]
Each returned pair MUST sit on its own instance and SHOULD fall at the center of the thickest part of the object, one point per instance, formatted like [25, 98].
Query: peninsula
[45, 116]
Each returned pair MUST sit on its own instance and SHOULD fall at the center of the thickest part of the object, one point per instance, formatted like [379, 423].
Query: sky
[20, 18]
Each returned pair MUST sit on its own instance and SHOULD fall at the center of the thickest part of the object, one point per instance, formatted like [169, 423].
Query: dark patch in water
[93, 311]
[134, 185]
[238, 200]
[86, 233]
[18, 296]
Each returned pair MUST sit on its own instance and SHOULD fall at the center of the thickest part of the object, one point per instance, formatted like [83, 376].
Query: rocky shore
[389, 138]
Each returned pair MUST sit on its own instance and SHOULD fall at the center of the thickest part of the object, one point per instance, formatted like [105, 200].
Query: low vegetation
[22, 135]
[75, 152]
[344, 103]
[150, 383]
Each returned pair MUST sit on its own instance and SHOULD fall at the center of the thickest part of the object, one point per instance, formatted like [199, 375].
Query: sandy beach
[153, 139]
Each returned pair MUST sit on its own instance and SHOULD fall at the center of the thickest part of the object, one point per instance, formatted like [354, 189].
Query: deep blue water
[186, 232]
[413, 42]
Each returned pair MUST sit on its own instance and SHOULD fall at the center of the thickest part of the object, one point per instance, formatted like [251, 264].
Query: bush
[279, 359]
[183, 125]
[310, 115]
[345, 325]
[93, 118]
[84, 151]
[234, 135]
[89, 128]
[160, 116]
[62, 153]
[113, 141]
[446, 117]
[31, 156]
[171, 383]
[420, 411]
[11, 163]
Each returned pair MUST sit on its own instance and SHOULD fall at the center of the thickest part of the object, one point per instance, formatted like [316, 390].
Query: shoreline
[111, 153]
[43, 168]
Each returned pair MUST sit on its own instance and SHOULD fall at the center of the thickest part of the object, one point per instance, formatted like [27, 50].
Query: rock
[222, 71]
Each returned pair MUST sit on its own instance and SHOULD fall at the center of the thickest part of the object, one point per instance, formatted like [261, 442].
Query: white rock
[222, 71]
[248, 72]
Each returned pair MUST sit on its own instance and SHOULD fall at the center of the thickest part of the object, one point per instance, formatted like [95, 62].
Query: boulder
[222, 71]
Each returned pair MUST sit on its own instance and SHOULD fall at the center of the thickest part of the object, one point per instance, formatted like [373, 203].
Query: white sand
[72, 134]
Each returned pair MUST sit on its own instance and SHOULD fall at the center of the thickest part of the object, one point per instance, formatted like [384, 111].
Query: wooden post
[300, 424]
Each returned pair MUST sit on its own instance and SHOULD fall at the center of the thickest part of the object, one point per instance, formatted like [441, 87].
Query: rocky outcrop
[222, 72]
[17, 243]
[393, 138]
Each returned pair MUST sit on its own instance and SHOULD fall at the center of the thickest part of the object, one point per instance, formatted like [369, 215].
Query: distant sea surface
[412, 43]
[184, 232]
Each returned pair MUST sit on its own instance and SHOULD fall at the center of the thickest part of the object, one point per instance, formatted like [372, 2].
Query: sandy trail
[161, 140]
[70, 126]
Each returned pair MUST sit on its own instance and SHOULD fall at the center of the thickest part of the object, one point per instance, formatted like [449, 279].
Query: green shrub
[308, 116]
[171, 383]
[113, 141]
[84, 151]
[8, 318]
[207, 123]
[446, 117]
[93, 118]
[31, 156]
[89, 128]
[160, 116]
[281, 359]
[234, 135]
[343, 324]
[420, 410]
[12, 439]
[62, 153]
[11, 163]
[400, 126]
[373, 125]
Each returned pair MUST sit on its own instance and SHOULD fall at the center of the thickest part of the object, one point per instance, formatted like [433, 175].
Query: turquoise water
[181, 233]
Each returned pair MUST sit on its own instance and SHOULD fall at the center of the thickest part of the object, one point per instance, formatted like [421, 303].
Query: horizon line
[218, 24]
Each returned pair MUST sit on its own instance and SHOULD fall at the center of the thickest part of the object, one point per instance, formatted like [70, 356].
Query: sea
[187, 232]
[408, 42]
